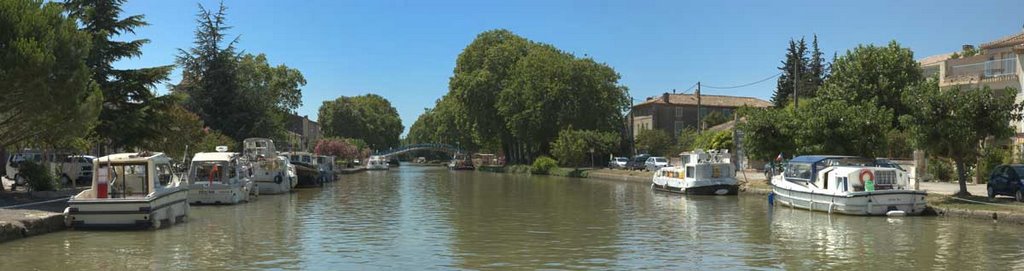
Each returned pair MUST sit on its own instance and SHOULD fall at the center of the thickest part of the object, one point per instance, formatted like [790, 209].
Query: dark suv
[1006, 180]
[637, 163]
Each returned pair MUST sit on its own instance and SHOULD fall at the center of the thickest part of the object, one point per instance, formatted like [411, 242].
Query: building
[674, 112]
[302, 133]
[995, 64]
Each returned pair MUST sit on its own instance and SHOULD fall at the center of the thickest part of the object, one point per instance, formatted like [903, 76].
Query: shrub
[990, 158]
[940, 169]
[543, 165]
[37, 176]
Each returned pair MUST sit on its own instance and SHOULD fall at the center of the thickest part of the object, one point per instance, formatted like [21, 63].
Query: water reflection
[414, 218]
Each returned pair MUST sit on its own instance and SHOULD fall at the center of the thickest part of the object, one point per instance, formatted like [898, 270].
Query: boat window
[206, 171]
[689, 172]
[841, 184]
[129, 180]
[798, 171]
[685, 159]
[164, 176]
[232, 170]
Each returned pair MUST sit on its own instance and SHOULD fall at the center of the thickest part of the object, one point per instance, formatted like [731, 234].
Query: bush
[37, 176]
[990, 158]
[543, 165]
[941, 170]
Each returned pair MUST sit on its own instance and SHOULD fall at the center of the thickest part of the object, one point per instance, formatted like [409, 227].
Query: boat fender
[771, 198]
[277, 179]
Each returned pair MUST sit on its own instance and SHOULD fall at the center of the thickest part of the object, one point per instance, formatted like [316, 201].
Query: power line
[745, 85]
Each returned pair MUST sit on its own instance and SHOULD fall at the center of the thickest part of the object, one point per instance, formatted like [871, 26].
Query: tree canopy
[48, 93]
[369, 117]
[654, 142]
[801, 72]
[572, 146]
[875, 74]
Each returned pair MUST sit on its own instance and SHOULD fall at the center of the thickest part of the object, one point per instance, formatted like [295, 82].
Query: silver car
[656, 162]
[618, 162]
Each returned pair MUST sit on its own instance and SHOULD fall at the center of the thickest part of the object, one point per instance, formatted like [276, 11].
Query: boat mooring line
[34, 203]
[988, 203]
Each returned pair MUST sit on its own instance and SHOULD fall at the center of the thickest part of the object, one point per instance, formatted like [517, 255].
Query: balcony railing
[982, 70]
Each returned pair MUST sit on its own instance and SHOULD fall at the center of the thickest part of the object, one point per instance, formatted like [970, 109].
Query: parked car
[618, 162]
[71, 168]
[655, 163]
[1006, 180]
[76, 168]
[638, 162]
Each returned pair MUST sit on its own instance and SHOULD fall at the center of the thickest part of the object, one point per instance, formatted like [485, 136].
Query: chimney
[967, 47]
[664, 97]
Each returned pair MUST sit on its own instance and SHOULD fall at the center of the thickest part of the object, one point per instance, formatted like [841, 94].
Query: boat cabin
[218, 167]
[843, 173]
[131, 175]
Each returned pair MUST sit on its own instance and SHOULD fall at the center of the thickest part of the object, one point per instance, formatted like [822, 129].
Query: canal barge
[700, 173]
[269, 171]
[846, 185]
[220, 178]
[308, 175]
[130, 190]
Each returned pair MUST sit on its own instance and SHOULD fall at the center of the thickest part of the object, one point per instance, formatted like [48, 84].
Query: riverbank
[24, 214]
[1001, 209]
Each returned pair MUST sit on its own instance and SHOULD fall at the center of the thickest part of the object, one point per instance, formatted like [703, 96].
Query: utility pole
[698, 107]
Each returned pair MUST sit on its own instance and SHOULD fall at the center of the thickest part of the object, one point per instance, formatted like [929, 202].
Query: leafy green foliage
[212, 138]
[952, 122]
[713, 119]
[817, 127]
[543, 165]
[573, 146]
[48, 95]
[877, 75]
[940, 169]
[800, 72]
[444, 124]
[370, 118]
[719, 140]
[654, 141]
[990, 157]
[181, 128]
[685, 141]
[342, 148]
[129, 104]
[767, 132]
[37, 176]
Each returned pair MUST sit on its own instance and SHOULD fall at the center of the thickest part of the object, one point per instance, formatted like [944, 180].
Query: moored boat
[308, 175]
[220, 178]
[847, 185]
[130, 190]
[269, 171]
[377, 162]
[461, 162]
[700, 173]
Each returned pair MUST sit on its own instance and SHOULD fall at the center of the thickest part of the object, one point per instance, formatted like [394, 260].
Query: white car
[76, 168]
[67, 170]
[656, 162]
[618, 162]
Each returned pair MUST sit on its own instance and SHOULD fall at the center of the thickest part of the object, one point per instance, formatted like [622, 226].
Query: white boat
[293, 177]
[700, 173]
[846, 185]
[270, 172]
[220, 178]
[377, 162]
[130, 190]
[326, 165]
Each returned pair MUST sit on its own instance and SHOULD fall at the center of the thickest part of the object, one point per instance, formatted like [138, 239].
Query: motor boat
[293, 178]
[326, 165]
[130, 190]
[377, 162]
[846, 185]
[308, 175]
[700, 173]
[461, 162]
[220, 178]
[269, 171]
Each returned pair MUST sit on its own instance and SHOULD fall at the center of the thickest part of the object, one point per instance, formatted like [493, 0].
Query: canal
[414, 218]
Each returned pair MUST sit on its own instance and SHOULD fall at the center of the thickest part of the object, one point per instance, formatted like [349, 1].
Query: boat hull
[217, 194]
[163, 210]
[308, 176]
[911, 202]
[718, 189]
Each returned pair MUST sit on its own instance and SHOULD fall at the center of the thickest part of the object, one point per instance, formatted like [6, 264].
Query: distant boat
[461, 162]
[269, 171]
[701, 173]
[130, 190]
[377, 162]
[847, 185]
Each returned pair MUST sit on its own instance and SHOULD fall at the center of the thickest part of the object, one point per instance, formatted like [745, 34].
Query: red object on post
[101, 188]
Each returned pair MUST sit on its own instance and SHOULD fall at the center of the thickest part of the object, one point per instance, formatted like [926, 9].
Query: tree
[953, 122]
[767, 132]
[268, 93]
[210, 77]
[654, 141]
[181, 128]
[48, 92]
[338, 147]
[794, 69]
[368, 117]
[816, 68]
[718, 140]
[128, 100]
[686, 139]
[836, 127]
[876, 75]
[573, 146]
[713, 119]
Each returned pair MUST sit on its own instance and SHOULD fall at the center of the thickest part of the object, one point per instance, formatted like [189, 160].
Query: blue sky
[406, 50]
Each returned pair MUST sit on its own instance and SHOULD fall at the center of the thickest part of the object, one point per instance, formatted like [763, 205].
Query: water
[415, 218]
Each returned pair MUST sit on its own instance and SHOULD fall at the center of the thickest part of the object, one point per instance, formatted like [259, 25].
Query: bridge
[418, 147]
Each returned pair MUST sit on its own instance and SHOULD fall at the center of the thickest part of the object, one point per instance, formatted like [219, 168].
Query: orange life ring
[871, 175]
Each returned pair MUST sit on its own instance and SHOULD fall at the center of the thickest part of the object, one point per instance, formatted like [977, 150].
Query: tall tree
[794, 70]
[128, 100]
[816, 69]
[369, 117]
[48, 95]
[874, 74]
[268, 93]
[953, 122]
[210, 76]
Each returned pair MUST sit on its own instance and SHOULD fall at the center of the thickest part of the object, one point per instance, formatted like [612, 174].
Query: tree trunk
[961, 173]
